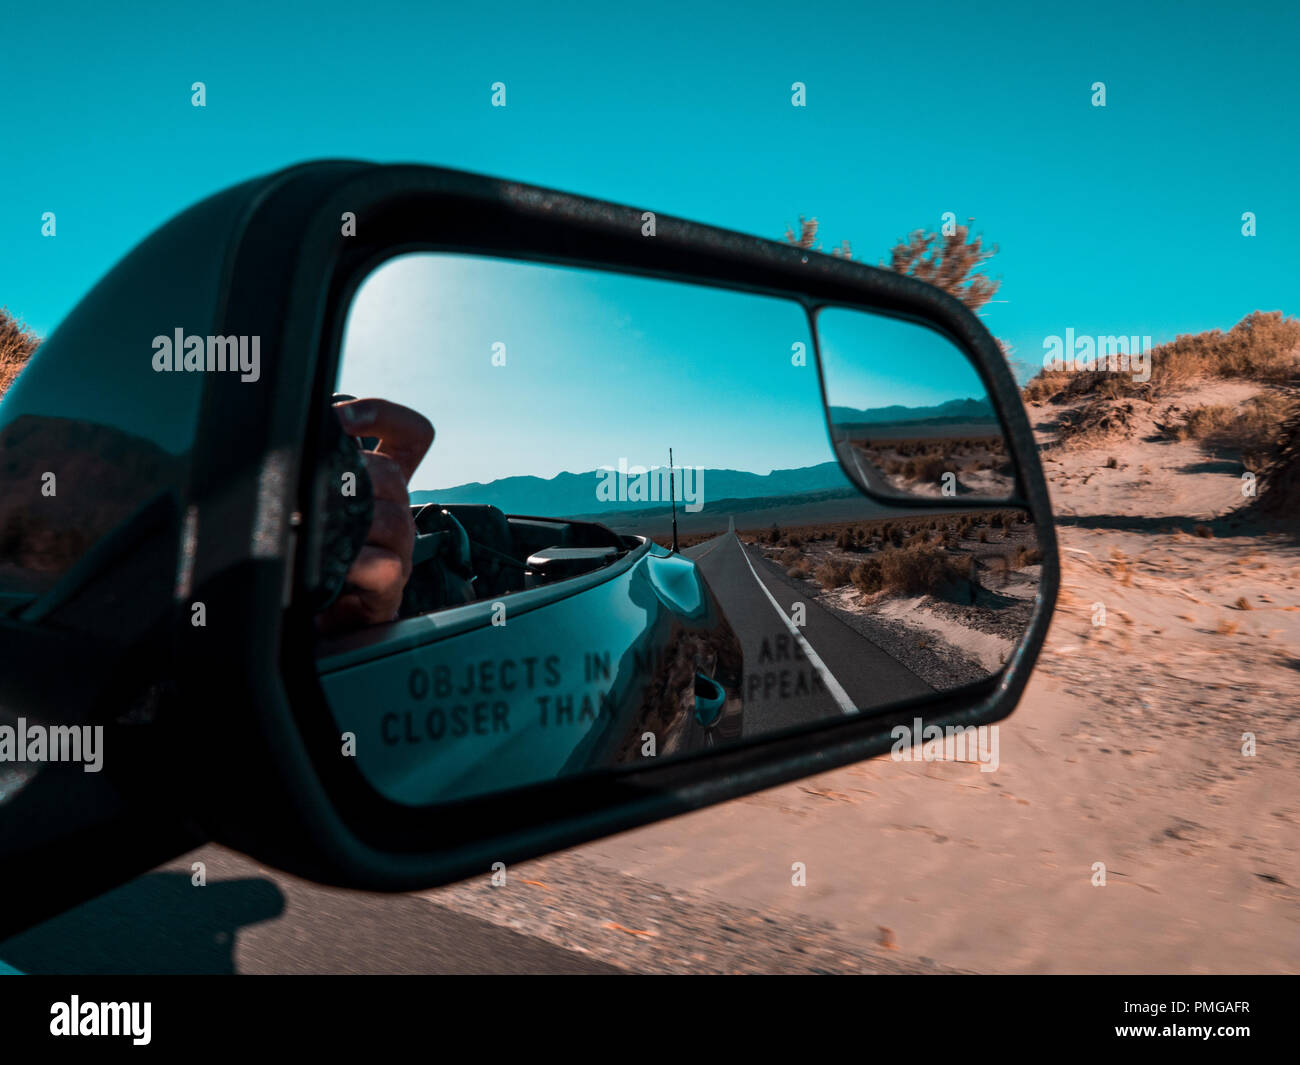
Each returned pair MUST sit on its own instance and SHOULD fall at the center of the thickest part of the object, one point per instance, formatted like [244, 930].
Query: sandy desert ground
[1129, 749]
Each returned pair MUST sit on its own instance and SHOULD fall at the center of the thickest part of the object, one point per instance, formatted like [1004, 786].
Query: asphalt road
[824, 671]
[250, 919]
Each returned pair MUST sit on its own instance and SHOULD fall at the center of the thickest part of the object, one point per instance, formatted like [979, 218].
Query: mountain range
[954, 410]
[572, 494]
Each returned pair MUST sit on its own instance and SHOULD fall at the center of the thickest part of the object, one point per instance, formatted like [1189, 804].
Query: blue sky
[593, 368]
[1117, 220]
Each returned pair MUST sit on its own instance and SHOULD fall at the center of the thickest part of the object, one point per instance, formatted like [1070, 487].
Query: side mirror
[710, 697]
[854, 492]
[908, 414]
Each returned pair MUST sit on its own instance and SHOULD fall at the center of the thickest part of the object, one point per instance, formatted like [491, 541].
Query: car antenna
[672, 494]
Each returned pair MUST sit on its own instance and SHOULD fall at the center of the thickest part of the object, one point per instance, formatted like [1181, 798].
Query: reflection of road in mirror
[802, 663]
[908, 414]
[547, 628]
[953, 449]
[894, 607]
[941, 466]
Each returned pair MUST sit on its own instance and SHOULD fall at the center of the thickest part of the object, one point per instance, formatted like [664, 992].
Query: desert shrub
[868, 576]
[800, 569]
[1095, 422]
[1255, 429]
[919, 570]
[1026, 556]
[790, 556]
[952, 260]
[927, 468]
[1046, 386]
[1280, 492]
[774, 534]
[832, 575]
[17, 344]
[1202, 422]
[1263, 346]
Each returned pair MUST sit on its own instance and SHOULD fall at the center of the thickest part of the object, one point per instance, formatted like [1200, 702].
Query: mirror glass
[552, 628]
[908, 412]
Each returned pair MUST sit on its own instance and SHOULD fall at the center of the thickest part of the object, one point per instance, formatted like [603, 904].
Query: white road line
[712, 547]
[828, 678]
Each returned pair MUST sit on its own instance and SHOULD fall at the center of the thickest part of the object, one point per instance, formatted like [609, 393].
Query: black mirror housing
[253, 752]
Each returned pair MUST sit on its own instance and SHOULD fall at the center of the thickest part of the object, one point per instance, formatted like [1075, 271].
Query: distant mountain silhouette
[625, 518]
[573, 494]
[954, 410]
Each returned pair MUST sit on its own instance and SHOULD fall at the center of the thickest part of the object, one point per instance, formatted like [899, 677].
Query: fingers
[393, 530]
[386, 477]
[378, 575]
[404, 435]
[392, 526]
[372, 595]
[380, 571]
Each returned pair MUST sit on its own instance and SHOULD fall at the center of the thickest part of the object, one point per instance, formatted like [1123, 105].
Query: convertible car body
[617, 651]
